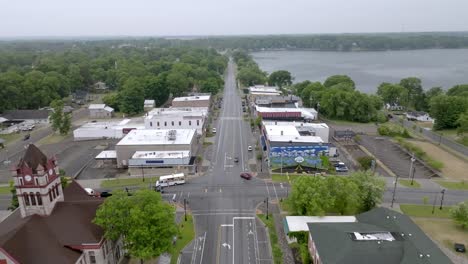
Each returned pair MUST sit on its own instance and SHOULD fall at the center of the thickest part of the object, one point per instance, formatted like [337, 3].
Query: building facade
[100, 111]
[192, 101]
[177, 118]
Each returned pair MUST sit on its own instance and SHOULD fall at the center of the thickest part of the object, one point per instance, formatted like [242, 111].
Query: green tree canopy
[462, 123]
[339, 79]
[144, 221]
[458, 90]
[392, 93]
[280, 78]
[459, 214]
[132, 96]
[60, 121]
[446, 110]
[371, 189]
[415, 93]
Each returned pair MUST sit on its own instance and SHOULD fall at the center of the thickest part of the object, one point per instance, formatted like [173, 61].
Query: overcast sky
[221, 17]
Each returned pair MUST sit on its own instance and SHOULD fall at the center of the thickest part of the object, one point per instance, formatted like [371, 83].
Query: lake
[436, 67]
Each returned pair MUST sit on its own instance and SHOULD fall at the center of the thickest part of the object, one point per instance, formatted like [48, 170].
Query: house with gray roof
[380, 236]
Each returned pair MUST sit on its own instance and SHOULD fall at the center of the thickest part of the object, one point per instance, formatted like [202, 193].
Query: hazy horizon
[144, 18]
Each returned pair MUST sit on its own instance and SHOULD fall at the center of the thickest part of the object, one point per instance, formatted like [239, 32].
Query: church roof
[50, 239]
[33, 157]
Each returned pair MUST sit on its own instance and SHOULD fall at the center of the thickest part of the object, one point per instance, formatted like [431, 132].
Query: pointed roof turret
[33, 157]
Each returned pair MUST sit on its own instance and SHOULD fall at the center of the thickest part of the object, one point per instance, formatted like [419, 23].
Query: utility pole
[442, 199]
[412, 175]
[143, 172]
[281, 163]
[394, 190]
[266, 201]
[411, 167]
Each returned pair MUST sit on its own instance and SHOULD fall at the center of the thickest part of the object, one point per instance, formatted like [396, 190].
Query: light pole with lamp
[411, 168]
[442, 199]
[394, 191]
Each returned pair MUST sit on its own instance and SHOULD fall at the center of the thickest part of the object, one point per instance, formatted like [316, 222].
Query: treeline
[33, 79]
[337, 98]
[249, 73]
[340, 42]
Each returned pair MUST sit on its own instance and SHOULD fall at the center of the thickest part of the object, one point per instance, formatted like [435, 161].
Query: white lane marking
[276, 194]
[227, 225]
[268, 191]
[195, 252]
[203, 248]
[226, 245]
[257, 250]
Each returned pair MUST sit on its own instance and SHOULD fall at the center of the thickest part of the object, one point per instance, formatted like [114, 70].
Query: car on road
[236, 159]
[249, 148]
[26, 137]
[341, 167]
[246, 175]
[105, 194]
[213, 130]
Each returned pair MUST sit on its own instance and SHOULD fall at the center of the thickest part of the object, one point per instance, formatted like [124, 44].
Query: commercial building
[379, 236]
[108, 129]
[177, 118]
[192, 101]
[292, 144]
[278, 101]
[29, 116]
[290, 114]
[153, 140]
[261, 90]
[100, 111]
[148, 105]
[160, 158]
[293, 224]
[53, 225]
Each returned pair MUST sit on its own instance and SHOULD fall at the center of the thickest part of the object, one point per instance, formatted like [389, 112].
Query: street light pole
[412, 175]
[394, 190]
[411, 167]
[442, 199]
[185, 209]
[266, 201]
[281, 163]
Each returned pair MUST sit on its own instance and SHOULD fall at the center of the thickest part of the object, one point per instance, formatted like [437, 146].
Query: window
[33, 199]
[26, 198]
[198, 122]
[92, 257]
[21, 181]
[37, 181]
[180, 123]
[165, 123]
[57, 188]
[172, 123]
[53, 192]
[50, 195]
[157, 123]
[39, 198]
[151, 124]
[189, 123]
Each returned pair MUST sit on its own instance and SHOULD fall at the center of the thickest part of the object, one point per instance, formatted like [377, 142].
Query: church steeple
[37, 182]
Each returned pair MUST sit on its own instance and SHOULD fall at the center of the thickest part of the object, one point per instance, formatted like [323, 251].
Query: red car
[246, 175]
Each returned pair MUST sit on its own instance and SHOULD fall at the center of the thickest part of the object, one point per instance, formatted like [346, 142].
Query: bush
[365, 162]
[381, 117]
[459, 214]
[259, 156]
[393, 131]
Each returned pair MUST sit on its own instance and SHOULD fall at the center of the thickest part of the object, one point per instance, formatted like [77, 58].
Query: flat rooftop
[288, 133]
[161, 154]
[115, 124]
[262, 109]
[299, 223]
[178, 111]
[295, 124]
[158, 137]
[192, 98]
[107, 154]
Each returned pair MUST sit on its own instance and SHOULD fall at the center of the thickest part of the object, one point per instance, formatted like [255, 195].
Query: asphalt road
[222, 203]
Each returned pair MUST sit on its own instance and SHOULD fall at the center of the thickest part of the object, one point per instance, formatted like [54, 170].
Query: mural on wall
[290, 156]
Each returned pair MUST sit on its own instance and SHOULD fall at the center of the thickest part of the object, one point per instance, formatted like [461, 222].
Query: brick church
[52, 225]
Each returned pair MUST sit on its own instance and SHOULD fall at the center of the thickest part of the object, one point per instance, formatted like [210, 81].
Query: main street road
[222, 203]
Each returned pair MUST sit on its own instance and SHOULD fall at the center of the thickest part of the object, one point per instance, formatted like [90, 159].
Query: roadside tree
[280, 78]
[371, 189]
[337, 79]
[459, 214]
[60, 121]
[144, 221]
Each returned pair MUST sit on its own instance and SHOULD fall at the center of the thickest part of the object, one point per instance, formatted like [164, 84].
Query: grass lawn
[51, 139]
[407, 183]
[277, 253]
[425, 210]
[462, 185]
[113, 183]
[207, 143]
[285, 206]
[9, 138]
[187, 233]
[445, 232]
[5, 190]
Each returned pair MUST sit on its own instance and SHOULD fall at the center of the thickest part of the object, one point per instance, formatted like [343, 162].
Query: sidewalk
[426, 184]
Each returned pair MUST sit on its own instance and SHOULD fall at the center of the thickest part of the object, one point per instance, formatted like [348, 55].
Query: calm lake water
[435, 67]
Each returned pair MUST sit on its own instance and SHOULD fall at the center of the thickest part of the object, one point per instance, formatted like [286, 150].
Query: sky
[23, 18]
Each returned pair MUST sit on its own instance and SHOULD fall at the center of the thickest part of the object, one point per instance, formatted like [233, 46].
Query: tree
[132, 96]
[446, 110]
[415, 93]
[312, 93]
[337, 79]
[371, 189]
[392, 93]
[280, 78]
[60, 121]
[112, 100]
[177, 82]
[144, 221]
[458, 90]
[310, 196]
[345, 193]
[211, 85]
[459, 214]
[462, 123]
[249, 76]
[156, 88]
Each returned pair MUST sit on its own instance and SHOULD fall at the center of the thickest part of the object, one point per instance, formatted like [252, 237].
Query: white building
[177, 118]
[419, 116]
[107, 129]
[153, 140]
[264, 90]
[159, 158]
[297, 129]
[299, 223]
[148, 105]
[286, 113]
[100, 111]
[192, 101]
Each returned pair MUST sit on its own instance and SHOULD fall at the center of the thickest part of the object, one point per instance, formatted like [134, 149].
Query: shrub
[393, 131]
[259, 156]
[381, 117]
[459, 214]
[365, 162]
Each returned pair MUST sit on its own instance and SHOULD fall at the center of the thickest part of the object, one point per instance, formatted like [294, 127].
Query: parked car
[26, 137]
[249, 148]
[246, 175]
[341, 167]
[105, 194]
[213, 130]
[90, 191]
[236, 159]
